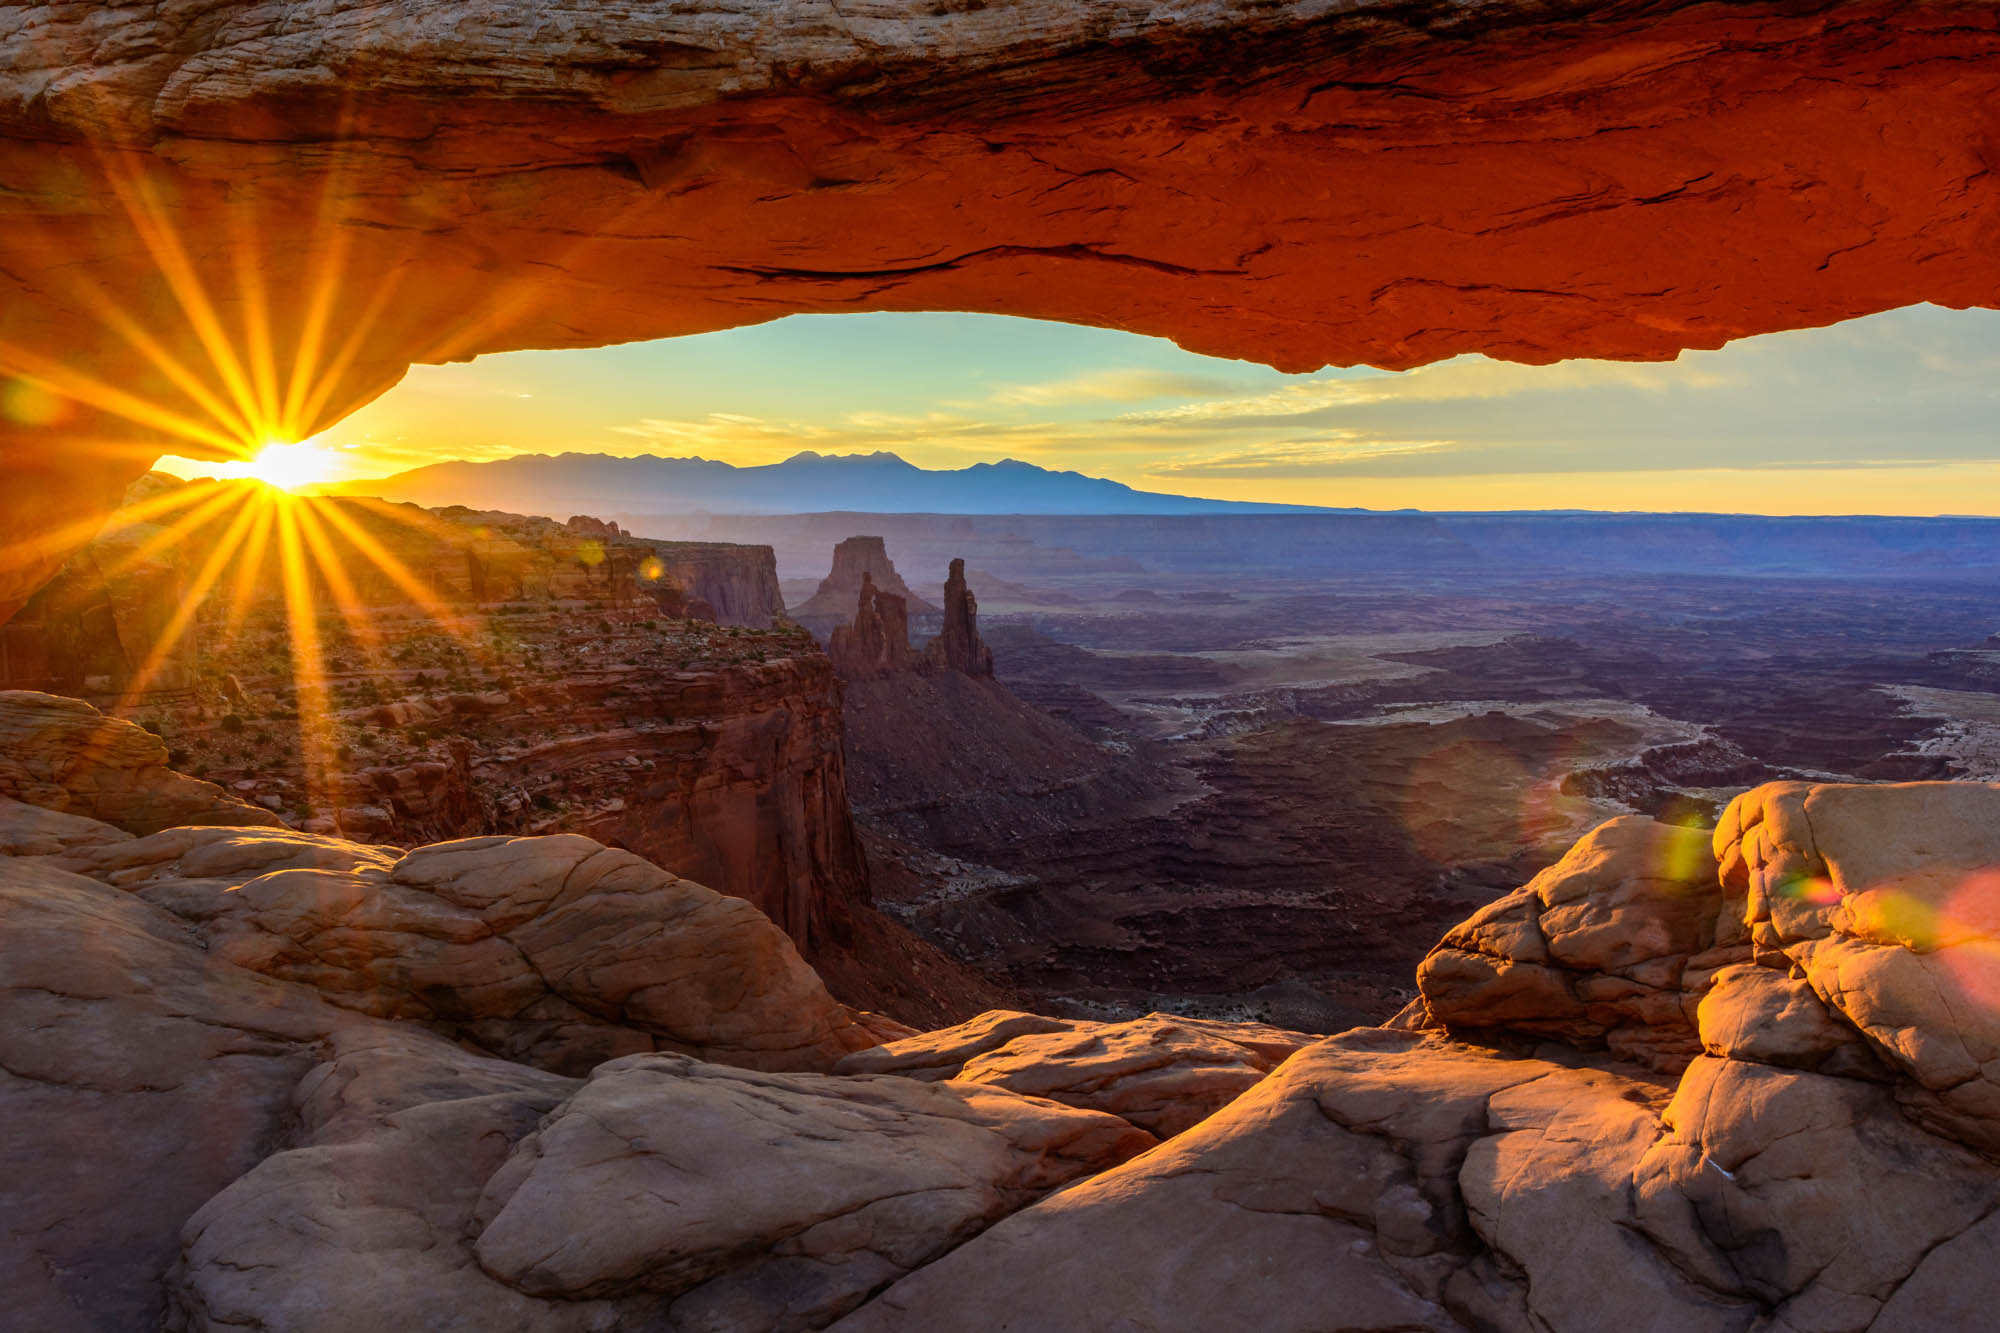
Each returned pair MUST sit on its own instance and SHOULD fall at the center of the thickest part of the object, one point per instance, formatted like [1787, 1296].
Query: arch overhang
[243, 219]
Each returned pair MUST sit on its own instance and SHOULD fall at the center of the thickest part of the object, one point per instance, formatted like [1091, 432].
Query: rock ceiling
[224, 221]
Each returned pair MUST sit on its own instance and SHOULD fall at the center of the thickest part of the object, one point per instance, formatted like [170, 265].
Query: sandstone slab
[1596, 949]
[63, 755]
[1162, 1072]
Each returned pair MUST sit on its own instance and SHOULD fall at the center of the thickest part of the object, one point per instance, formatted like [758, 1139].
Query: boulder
[557, 951]
[828, 1187]
[1595, 949]
[365, 1222]
[63, 755]
[436, 1189]
[1885, 900]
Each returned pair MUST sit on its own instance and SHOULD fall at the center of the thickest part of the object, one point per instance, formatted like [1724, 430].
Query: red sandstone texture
[877, 641]
[958, 646]
[221, 222]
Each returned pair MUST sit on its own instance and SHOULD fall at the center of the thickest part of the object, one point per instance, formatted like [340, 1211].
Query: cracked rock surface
[240, 1088]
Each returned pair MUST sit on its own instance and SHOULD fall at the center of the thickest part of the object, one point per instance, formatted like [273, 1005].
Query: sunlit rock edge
[254, 1077]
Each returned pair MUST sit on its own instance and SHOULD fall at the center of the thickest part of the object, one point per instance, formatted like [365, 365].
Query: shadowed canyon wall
[235, 222]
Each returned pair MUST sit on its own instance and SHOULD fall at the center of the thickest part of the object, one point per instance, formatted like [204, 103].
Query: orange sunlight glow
[318, 546]
[237, 392]
[289, 467]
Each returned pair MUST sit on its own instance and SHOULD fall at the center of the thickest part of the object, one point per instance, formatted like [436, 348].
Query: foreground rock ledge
[1738, 1082]
[1299, 183]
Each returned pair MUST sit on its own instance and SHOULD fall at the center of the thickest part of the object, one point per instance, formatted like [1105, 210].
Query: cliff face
[739, 582]
[541, 685]
[733, 776]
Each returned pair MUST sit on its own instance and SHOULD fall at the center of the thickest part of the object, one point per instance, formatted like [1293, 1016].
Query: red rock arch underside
[237, 219]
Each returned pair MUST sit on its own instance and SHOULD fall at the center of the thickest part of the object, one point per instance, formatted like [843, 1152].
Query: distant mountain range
[882, 483]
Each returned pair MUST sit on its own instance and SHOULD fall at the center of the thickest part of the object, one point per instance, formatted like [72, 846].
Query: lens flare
[288, 467]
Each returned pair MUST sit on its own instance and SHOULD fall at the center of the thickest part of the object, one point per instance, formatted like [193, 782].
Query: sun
[287, 466]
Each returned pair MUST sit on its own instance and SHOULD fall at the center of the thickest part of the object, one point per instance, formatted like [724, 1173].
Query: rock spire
[958, 646]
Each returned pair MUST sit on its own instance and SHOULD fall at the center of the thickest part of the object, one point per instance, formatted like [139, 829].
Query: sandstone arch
[246, 217]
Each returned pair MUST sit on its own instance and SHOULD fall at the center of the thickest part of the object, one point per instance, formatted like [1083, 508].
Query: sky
[1896, 413]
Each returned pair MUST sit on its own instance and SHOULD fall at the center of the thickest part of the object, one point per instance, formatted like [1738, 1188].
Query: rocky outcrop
[958, 646]
[1606, 949]
[1820, 1164]
[64, 755]
[726, 583]
[877, 641]
[138, 1077]
[594, 527]
[308, 1165]
[1826, 1162]
[1163, 1073]
[558, 952]
[466, 1194]
[855, 561]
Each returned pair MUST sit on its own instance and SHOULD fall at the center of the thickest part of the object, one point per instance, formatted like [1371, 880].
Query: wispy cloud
[1297, 459]
[1126, 385]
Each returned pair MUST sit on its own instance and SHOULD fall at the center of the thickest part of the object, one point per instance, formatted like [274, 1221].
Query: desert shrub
[232, 723]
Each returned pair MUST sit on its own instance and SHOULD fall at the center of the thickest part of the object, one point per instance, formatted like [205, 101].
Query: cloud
[1463, 380]
[1129, 385]
[1297, 459]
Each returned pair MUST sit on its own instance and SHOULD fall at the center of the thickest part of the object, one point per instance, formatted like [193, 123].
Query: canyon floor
[1300, 781]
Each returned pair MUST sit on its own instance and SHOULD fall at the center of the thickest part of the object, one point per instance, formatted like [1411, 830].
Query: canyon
[1488, 922]
[1213, 780]
[501, 674]
[538, 1083]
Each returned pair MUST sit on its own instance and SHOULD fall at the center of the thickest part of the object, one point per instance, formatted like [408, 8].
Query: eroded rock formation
[958, 646]
[1163, 1073]
[1388, 182]
[855, 561]
[254, 1021]
[1818, 1165]
[877, 641]
[559, 952]
[64, 755]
